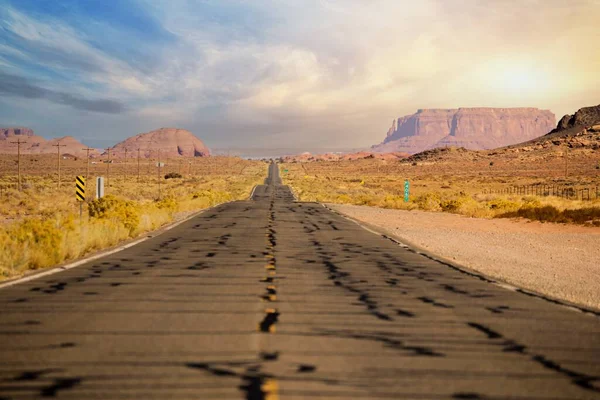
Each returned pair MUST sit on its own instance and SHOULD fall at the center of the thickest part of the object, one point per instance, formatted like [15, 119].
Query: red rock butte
[32, 144]
[171, 142]
[472, 128]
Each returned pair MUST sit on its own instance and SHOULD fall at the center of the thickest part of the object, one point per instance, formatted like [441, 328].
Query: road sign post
[80, 194]
[406, 191]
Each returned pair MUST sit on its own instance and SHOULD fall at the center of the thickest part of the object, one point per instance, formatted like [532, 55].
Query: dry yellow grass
[40, 226]
[457, 186]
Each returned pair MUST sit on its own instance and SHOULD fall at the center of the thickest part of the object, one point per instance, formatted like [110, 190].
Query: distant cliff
[472, 128]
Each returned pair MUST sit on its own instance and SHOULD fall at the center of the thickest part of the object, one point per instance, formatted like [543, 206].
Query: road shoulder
[554, 261]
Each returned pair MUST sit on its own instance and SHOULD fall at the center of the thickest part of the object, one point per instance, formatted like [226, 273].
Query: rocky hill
[171, 142]
[471, 128]
[37, 144]
[584, 117]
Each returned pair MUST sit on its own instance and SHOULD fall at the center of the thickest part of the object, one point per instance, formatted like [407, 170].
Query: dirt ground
[556, 260]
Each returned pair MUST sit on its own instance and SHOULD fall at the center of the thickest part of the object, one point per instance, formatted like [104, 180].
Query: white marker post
[100, 187]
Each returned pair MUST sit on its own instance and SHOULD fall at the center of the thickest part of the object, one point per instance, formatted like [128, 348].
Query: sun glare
[513, 77]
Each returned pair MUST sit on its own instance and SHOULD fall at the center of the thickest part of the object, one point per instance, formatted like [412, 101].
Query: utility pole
[108, 169]
[158, 168]
[125, 173]
[138, 165]
[19, 143]
[87, 171]
[567, 162]
[58, 146]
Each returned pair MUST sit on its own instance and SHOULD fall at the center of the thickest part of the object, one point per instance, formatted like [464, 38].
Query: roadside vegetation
[373, 183]
[40, 226]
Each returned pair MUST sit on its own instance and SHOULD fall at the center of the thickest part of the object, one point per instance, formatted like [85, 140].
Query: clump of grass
[429, 201]
[110, 207]
[548, 213]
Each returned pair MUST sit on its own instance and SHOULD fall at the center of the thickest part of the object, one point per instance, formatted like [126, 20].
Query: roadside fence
[564, 191]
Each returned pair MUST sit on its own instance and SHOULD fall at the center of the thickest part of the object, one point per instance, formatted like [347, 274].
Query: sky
[292, 74]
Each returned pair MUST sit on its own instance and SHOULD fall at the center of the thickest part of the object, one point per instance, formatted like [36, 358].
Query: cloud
[18, 86]
[295, 71]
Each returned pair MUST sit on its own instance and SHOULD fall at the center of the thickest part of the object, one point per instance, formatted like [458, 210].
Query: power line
[87, 172]
[58, 146]
[19, 143]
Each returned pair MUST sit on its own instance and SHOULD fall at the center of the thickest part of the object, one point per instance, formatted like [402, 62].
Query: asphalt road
[269, 299]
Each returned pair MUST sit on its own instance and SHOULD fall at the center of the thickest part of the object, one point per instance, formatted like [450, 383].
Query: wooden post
[18, 143]
[138, 165]
[567, 162]
[158, 168]
[108, 169]
[125, 172]
[58, 146]
[87, 170]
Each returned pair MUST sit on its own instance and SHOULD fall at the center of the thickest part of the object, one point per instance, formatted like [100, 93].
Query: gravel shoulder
[560, 261]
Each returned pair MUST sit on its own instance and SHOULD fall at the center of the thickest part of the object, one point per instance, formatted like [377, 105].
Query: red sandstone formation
[171, 142]
[38, 145]
[472, 128]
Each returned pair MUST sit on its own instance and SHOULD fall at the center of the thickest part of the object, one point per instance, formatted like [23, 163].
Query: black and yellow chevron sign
[80, 188]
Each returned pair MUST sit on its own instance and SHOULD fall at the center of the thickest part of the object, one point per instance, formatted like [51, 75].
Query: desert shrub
[397, 202]
[429, 201]
[588, 215]
[464, 205]
[451, 205]
[531, 201]
[41, 239]
[168, 203]
[173, 175]
[583, 215]
[343, 199]
[364, 199]
[501, 204]
[210, 197]
[111, 207]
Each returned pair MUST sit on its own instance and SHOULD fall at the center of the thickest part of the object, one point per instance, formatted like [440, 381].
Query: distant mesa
[38, 145]
[471, 128]
[171, 142]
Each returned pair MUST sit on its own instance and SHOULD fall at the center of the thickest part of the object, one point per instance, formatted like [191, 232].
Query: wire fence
[544, 190]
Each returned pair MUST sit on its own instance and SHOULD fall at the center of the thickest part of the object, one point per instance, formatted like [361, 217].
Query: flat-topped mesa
[15, 131]
[475, 128]
[171, 142]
